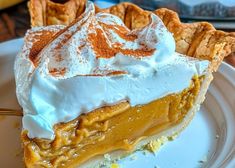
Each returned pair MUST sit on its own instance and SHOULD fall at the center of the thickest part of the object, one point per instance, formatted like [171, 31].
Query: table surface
[15, 21]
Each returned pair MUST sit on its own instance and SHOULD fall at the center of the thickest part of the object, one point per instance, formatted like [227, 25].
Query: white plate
[209, 141]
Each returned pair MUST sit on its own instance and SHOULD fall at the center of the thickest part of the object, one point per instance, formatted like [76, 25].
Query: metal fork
[11, 112]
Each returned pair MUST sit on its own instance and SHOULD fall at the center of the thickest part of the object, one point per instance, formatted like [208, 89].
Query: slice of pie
[109, 81]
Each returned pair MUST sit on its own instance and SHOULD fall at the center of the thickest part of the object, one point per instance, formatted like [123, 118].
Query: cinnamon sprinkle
[68, 35]
[121, 31]
[47, 36]
[63, 41]
[58, 57]
[81, 46]
[104, 50]
[110, 73]
[116, 45]
[116, 73]
[57, 72]
[40, 42]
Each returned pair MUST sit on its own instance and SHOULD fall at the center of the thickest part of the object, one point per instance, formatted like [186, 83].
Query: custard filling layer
[118, 127]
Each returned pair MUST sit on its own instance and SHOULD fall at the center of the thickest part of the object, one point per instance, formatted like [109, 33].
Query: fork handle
[10, 112]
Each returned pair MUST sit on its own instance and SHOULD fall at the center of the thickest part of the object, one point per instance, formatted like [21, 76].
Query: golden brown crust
[37, 12]
[133, 16]
[46, 12]
[200, 40]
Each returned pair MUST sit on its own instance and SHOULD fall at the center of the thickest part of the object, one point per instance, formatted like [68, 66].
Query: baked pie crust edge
[199, 40]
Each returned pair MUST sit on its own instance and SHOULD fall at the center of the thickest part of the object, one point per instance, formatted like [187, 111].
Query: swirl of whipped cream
[97, 61]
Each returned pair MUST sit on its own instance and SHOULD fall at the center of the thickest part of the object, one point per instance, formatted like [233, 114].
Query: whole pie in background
[109, 81]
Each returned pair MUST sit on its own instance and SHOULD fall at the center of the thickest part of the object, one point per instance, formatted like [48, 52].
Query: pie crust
[199, 40]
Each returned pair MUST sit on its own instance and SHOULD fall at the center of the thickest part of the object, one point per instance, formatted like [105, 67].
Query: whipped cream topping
[94, 62]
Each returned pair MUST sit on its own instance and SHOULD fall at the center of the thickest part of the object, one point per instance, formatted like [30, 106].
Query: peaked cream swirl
[97, 61]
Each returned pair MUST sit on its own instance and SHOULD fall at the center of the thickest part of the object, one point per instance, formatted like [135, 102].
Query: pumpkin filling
[110, 128]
